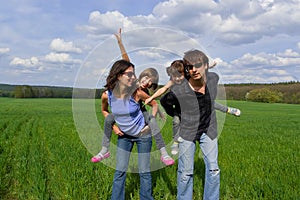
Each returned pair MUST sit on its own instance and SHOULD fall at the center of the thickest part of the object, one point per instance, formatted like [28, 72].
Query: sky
[71, 42]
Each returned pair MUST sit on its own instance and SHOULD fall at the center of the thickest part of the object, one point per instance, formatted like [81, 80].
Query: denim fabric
[185, 171]
[125, 145]
[108, 122]
[151, 121]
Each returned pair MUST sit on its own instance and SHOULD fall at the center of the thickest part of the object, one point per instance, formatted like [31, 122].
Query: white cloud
[106, 23]
[150, 54]
[59, 45]
[289, 53]
[237, 32]
[60, 58]
[4, 50]
[32, 62]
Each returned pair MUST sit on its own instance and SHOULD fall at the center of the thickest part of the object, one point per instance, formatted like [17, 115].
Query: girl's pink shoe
[167, 160]
[99, 157]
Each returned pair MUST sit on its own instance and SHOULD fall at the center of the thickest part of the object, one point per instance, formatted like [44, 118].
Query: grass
[42, 156]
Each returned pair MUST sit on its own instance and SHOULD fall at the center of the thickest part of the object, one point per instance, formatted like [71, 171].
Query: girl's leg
[104, 152]
[160, 144]
[108, 123]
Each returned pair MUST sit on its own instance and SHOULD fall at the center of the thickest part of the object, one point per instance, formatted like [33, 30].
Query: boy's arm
[221, 107]
[121, 46]
[159, 92]
[226, 109]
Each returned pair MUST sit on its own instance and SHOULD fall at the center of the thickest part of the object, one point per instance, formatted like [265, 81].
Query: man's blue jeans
[185, 171]
[125, 145]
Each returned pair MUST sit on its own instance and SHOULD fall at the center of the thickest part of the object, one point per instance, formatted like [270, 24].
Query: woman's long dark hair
[118, 68]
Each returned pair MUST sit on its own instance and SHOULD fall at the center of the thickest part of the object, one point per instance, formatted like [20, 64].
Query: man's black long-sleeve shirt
[196, 109]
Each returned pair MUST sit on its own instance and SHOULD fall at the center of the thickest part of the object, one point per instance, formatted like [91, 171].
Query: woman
[123, 96]
[148, 79]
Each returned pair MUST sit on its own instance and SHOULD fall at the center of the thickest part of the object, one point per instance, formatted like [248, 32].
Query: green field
[42, 156]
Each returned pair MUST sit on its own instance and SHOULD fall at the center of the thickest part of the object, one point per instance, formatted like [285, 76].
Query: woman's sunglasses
[129, 74]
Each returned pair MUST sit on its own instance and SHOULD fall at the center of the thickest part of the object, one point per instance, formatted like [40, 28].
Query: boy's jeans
[185, 172]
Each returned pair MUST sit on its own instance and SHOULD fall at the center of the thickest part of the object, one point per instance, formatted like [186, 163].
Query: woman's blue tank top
[127, 114]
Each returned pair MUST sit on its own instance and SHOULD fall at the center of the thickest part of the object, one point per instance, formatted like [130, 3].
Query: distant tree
[24, 91]
[264, 95]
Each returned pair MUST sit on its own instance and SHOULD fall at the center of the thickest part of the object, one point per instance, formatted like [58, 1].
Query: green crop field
[43, 157]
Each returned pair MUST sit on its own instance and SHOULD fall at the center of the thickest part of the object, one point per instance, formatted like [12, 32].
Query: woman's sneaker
[99, 157]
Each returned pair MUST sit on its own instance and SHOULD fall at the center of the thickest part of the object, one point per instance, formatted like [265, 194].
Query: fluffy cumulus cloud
[238, 33]
[224, 23]
[105, 23]
[31, 62]
[60, 58]
[59, 45]
[232, 22]
[4, 50]
[261, 68]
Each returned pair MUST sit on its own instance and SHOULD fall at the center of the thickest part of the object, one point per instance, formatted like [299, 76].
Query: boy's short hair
[176, 68]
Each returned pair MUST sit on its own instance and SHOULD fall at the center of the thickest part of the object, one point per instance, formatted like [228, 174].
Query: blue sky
[71, 43]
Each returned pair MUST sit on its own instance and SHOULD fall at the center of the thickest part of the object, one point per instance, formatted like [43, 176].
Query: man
[194, 100]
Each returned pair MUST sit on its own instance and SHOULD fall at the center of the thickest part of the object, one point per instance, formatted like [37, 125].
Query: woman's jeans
[151, 121]
[185, 171]
[125, 145]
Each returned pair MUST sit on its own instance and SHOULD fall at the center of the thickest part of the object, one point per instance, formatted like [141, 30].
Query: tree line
[288, 92]
[27, 91]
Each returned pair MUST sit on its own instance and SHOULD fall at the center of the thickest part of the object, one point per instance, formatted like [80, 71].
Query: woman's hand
[117, 130]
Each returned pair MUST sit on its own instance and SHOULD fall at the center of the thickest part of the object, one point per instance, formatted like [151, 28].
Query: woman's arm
[104, 104]
[121, 46]
[160, 91]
